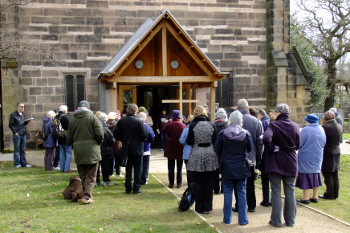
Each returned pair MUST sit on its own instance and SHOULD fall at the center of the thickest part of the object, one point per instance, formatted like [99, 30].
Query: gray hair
[242, 104]
[63, 108]
[282, 108]
[132, 109]
[103, 116]
[262, 112]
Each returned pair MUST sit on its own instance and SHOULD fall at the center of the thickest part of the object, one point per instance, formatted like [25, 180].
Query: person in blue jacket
[232, 146]
[187, 148]
[147, 148]
[310, 155]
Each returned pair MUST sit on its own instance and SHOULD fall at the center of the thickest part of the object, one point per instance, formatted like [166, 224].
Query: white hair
[103, 116]
[63, 108]
[51, 114]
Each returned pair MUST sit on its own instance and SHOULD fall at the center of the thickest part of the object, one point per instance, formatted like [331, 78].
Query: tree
[297, 40]
[326, 28]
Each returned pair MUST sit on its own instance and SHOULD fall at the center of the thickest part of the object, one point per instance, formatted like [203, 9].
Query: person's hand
[158, 131]
[16, 134]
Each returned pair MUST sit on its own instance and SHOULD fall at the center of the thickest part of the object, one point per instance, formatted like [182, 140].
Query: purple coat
[281, 140]
[173, 148]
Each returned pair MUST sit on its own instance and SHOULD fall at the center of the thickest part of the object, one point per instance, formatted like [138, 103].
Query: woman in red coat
[173, 148]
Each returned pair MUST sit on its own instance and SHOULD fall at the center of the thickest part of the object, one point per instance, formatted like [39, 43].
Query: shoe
[18, 166]
[251, 210]
[121, 175]
[98, 183]
[161, 150]
[69, 171]
[289, 225]
[234, 209]
[265, 204]
[56, 168]
[87, 201]
[136, 192]
[171, 186]
[127, 191]
[303, 201]
[178, 186]
[314, 200]
[108, 183]
[206, 212]
[28, 165]
[270, 222]
[243, 224]
[325, 197]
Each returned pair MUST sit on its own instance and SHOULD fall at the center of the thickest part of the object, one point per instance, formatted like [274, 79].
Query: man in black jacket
[17, 125]
[132, 132]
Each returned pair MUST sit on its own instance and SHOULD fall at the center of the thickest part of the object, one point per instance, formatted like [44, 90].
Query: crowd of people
[231, 149]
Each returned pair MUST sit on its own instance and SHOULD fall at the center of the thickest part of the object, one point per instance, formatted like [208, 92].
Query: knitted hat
[112, 116]
[84, 103]
[236, 118]
[220, 114]
[282, 108]
[142, 116]
[176, 114]
[312, 118]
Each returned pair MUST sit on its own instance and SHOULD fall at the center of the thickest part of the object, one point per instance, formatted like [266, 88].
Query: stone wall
[84, 35]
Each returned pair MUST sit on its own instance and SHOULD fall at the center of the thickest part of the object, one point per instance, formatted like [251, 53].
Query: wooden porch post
[212, 101]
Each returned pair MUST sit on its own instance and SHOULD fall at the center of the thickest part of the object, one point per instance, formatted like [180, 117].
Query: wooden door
[127, 94]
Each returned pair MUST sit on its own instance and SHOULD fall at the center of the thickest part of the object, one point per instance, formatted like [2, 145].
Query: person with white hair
[50, 141]
[65, 149]
[232, 146]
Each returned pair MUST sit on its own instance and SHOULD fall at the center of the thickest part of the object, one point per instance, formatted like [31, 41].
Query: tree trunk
[331, 85]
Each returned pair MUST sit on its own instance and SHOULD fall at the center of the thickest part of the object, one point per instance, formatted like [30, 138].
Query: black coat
[131, 128]
[18, 123]
[107, 144]
[331, 151]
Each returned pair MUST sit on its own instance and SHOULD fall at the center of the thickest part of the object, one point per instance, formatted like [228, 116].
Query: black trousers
[134, 163]
[331, 181]
[250, 192]
[171, 171]
[189, 174]
[56, 159]
[203, 190]
[265, 187]
[107, 169]
[217, 181]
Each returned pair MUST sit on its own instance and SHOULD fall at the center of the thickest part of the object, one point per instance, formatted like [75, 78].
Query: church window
[75, 90]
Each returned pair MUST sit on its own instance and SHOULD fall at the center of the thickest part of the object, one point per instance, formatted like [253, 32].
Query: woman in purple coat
[50, 141]
[173, 148]
[281, 140]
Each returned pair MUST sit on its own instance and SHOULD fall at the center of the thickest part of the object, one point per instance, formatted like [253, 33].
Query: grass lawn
[31, 201]
[340, 207]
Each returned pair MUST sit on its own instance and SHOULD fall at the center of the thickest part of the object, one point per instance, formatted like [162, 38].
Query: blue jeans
[145, 168]
[65, 157]
[19, 150]
[240, 186]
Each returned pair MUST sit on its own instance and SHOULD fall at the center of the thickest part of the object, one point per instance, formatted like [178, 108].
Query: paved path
[307, 220]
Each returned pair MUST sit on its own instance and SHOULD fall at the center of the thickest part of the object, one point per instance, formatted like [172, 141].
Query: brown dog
[74, 191]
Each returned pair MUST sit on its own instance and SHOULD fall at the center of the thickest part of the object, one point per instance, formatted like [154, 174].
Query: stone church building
[155, 53]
